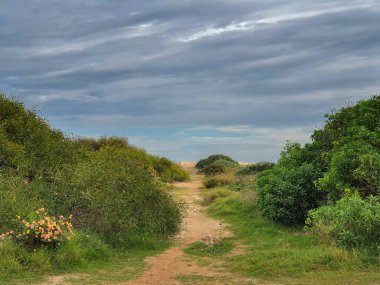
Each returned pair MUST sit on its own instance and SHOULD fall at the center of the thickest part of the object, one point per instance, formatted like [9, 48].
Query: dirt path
[173, 266]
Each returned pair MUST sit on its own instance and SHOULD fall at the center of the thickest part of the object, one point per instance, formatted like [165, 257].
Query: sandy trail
[164, 268]
[172, 267]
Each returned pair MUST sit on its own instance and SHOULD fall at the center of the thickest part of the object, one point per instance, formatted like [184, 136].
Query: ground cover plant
[353, 222]
[66, 202]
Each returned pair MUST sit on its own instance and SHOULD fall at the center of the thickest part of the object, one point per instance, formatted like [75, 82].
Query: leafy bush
[28, 146]
[349, 145]
[165, 168]
[355, 165]
[112, 189]
[256, 168]
[286, 192]
[352, 222]
[117, 198]
[345, 153]
[218, 167]
[203, 163]
[169, 171]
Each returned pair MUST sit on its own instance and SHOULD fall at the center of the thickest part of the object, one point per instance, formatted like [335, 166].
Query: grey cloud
[122, 61]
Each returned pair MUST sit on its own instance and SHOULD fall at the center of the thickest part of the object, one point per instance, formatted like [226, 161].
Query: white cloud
[251, 25]
[242, 26]
[214, 140]
[249, 134]
[87, 43]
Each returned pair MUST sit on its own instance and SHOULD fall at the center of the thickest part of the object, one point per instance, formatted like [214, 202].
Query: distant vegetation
[216, 164]
[111, 193]
[256, 168]
[332, 183]
[324, 198]
[342, 161]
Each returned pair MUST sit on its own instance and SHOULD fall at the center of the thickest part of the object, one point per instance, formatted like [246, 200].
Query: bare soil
[173, 266]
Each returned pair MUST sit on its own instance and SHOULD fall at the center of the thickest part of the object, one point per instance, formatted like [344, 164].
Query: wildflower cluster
[40, 227]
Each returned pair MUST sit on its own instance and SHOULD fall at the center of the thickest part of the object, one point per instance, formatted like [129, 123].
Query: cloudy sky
[186, 79]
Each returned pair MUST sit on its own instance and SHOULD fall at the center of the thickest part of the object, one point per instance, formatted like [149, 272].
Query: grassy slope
[288, 256]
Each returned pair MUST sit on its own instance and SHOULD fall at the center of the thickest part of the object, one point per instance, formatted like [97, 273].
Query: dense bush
[352, 222]
[29, 147]
[255, 168]
[349, 145]
[40, 228]
[287, 192]
[165, 168]
[169, 171]
[218, 167]
[111, 188]
[345, 153]
[203, 163]
[118, 198]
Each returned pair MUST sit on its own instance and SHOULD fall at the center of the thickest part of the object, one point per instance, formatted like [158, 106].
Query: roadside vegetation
[314, 216]
[66, 202]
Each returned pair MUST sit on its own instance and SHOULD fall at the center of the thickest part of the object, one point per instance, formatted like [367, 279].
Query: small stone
[211, 240]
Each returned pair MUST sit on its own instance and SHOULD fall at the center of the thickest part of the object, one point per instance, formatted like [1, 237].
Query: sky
[185, 79]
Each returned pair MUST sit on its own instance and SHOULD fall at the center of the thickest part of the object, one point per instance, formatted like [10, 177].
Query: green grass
[21, 266]
[195, 279]
[202, 279]
[289, 255]
[201, 249]
[212, 194]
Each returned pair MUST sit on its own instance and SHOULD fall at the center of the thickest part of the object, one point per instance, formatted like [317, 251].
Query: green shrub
[165, 168]
[169, 171]
[114, 191]
[218, 167]
[203, 163]
[286, 192]
[352, 222]
[28, 146]
[40, 228]
[349, 145]
[117, 198]
[345, 153]
[355, 165]
[256, 168]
